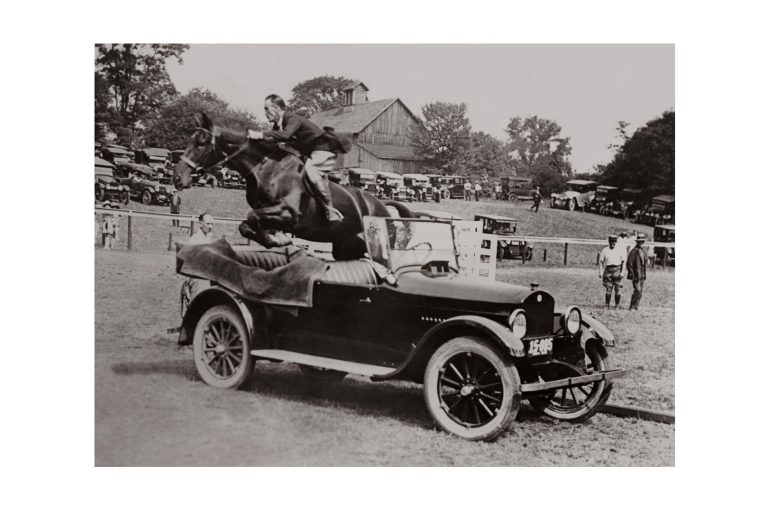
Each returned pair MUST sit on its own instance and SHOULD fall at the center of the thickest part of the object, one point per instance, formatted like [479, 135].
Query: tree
[319, 94]
[133, 85]
[539, 151]
[443, 137]
[646, 160]
[175, 122]
[488, 157]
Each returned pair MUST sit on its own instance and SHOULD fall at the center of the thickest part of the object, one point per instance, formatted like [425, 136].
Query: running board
[572, 381]
[368, 370]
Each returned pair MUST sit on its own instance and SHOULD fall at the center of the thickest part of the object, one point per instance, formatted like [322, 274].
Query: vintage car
[156, 158]
[624, 206]
[145, 184]
[604, 196]
[515, 188]
[456, 186]
[208, 179]
[107, 188]
[364, 179]
[393, 186]
[116, 154]
[664, 233]
[660, 210]
[421, 186]
[228, 178]
[479, 347]
[506, 248]
[577, 194]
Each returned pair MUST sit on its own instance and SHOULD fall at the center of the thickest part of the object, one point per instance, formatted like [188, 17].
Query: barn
[379, 130]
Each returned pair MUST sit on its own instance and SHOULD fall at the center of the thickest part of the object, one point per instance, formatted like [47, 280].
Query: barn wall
[391, 127]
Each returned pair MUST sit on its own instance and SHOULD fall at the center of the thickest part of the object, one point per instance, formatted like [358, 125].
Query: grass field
[151, 408]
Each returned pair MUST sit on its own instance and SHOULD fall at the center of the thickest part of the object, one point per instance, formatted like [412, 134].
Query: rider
[317, 146]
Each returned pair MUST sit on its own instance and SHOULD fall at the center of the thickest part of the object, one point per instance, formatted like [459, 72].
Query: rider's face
[272, 111]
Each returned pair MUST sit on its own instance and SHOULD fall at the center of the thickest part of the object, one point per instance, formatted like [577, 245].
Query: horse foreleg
[252, 229]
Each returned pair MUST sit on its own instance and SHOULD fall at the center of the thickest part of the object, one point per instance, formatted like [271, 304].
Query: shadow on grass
[182, 367]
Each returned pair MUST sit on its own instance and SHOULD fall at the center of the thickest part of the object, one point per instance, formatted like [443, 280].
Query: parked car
[664, 233]
[604, 195]
[157, 158]
[506, 248]
[145, 184]
[364, 179]
[442, 184]
[479, 347]
[116, 154]
[515, 188]
[209, 179]
[625, 206]
[107, 188]
[577, 194]
[420, 184]
[456, 186]
[660, 210]
[393, 186]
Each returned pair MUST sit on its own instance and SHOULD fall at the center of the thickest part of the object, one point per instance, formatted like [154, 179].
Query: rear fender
[204, 301]
[465, 325]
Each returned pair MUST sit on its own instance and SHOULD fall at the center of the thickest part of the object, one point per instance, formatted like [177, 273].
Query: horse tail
[402, 210]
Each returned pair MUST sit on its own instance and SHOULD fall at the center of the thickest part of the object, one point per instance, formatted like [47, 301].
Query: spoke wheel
[471, 390]
[322, 374]
[146, 197]
[580, 402]
[221, 348]
[572, 205]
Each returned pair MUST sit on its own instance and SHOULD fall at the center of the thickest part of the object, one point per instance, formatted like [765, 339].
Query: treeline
[137, 105]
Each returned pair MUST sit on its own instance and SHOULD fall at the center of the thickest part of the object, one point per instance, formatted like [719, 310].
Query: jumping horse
[279, 194]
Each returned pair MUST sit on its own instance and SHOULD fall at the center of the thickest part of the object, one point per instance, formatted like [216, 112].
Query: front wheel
[146, 197]
[99, 194]
[572, 205]
[577, 403]
[222, 349]
[471, 390]
[512, 197]
[552, 203]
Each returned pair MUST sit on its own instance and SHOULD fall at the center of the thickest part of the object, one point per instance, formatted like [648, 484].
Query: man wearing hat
[612, 260]
[636, 261]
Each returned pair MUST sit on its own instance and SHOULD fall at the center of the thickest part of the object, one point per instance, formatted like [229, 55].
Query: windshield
[579, 187]
[398, 243]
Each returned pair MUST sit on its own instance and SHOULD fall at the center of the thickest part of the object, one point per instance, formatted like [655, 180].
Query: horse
[280, 196]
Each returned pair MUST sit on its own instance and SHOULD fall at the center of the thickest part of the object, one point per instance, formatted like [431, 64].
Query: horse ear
[203, 121]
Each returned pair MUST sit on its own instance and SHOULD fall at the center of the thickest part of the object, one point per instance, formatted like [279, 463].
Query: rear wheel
[99, 194]
[222, 349]
[471, 390]
[552, 203]
[580, 402]
[146, 197]
[512, 197]
[322, 374]
[572, 205]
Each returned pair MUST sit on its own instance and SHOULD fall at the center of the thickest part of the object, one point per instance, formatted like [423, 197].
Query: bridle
[205, 170]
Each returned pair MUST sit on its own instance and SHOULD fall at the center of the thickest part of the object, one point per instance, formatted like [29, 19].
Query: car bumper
[536, 388]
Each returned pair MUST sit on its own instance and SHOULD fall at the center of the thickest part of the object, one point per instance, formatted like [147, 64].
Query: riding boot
[323, 193]
[618, 300]
[607, 300]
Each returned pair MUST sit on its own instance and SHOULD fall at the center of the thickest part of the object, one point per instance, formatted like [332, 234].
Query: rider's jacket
[306, 136]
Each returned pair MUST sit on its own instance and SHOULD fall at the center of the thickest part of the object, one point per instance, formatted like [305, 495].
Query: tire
[552, 203]
[126, 198]
[146, 197]
[99, 194]
[512, 197]
[460, 368]
[322, 374]
[572, 205]
[221, 348]
[586, 400]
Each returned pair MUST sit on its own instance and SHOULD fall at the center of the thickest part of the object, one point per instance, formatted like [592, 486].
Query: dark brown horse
[277, 191]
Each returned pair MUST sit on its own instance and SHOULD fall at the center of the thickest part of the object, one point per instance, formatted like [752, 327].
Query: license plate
[540, 347]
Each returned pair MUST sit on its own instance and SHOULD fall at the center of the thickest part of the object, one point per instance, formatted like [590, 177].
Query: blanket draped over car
[290, 284]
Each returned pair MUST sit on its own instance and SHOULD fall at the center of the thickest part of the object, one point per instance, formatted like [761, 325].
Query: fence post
[130, 233]
[170, 240]
[597, 260]
[565, 256]
[664, 259]
[525, 252]
[545, 255]
[191, 227]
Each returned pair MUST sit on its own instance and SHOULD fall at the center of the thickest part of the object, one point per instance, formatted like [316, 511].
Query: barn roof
[353, 118]
[391, 152]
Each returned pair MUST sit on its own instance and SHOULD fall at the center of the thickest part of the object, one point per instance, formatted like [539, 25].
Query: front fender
[204, 301]
[591, 328]
[465, 325]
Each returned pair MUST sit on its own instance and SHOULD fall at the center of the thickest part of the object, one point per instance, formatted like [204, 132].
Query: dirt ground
[152, 410]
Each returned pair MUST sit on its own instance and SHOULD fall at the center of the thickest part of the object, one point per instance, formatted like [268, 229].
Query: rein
[199, 168]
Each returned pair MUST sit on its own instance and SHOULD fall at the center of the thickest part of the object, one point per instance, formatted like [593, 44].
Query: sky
[586, 89]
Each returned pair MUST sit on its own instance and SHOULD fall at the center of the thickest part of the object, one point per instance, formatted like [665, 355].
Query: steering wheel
[427, 253]
[413, 247]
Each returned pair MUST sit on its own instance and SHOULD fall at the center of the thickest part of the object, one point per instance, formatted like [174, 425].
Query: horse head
[199, 152]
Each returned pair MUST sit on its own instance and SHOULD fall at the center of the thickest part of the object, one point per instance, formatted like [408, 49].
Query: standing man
[612, 260]
[318, 146]
[536, 200]
[636, 262]
[497, 190]
[468, 190]
[175, 207]
[478, 190]
[203, 235]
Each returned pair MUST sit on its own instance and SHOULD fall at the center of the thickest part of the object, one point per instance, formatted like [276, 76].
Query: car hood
[107, 180]
[465, 288]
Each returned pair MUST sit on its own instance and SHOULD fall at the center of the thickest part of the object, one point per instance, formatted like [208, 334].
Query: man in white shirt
[467, 190]
[612, 261]
[203, 235]
[478, 190]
